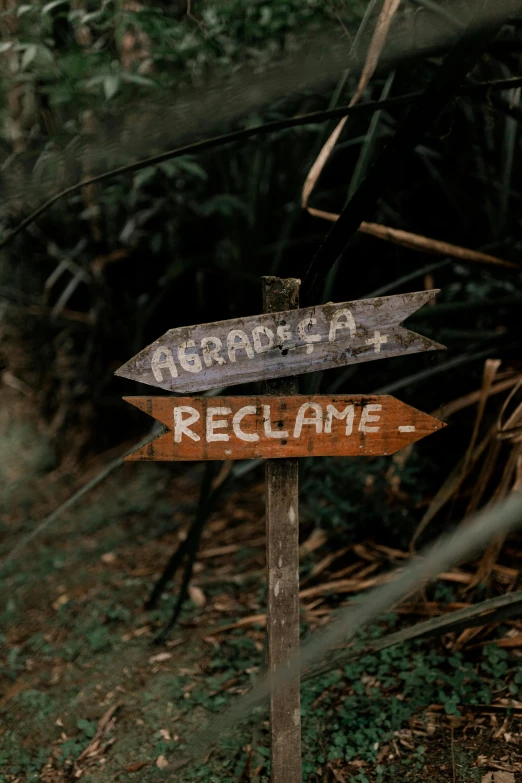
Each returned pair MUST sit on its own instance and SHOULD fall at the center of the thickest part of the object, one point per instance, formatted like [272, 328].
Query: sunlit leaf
[191, 167]
[91, 17]
[135, 78]
[144, 176]
[28, 56]
[54, 4]
[110, 85]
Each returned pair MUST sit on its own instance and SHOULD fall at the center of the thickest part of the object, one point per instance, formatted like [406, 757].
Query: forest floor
[85, 693]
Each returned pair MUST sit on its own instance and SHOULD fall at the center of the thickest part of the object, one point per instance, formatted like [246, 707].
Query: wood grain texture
[282, 569]
[279, 344]
[279, 427]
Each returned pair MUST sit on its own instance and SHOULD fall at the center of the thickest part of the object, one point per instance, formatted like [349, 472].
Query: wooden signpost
[280, 344]
[280, 426]
[221, 428]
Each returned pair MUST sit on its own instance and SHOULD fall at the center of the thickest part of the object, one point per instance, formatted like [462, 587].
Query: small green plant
[98, 638]
[72, 747]
[40, 704]
[18, 763]
[346, 497]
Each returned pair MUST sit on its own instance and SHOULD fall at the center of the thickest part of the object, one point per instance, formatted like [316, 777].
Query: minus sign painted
[407, 428]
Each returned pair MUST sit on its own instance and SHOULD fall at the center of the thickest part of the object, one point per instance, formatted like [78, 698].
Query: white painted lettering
[217, 424]
[332, 412]
[162, 359]
[316, 420]
[256, 337]
[366, 417]
[248, 410]
[237, 340]
[348, 324]
[269, 433]
[303, 329]
[181, 426]
[190, 362]
[284, 333]
[377, 340]
[211, 354]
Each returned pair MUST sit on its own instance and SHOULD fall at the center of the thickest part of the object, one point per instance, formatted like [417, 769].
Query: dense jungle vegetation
[88, 88]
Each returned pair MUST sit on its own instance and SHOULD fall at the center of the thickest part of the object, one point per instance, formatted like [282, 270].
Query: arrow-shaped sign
[223, 428]
[275, 345]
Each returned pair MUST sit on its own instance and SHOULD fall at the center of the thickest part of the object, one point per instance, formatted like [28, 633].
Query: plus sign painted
[377, 340]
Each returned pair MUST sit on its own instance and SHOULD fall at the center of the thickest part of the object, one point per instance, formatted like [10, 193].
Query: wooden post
[282, 562]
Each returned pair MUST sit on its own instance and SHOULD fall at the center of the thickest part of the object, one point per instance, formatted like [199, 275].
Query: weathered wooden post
[282, 565]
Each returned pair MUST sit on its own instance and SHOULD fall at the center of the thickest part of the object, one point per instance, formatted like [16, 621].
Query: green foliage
[379, 693]
[17, 761]
[351, 714]
[348, 497]
[194, 235]
[36, 702]
[195, 220]
[72, 747]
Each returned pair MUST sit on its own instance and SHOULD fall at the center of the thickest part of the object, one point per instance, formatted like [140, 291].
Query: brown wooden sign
[275, 345]
[232, 428]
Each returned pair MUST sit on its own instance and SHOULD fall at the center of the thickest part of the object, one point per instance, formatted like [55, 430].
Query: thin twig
[401, 281]
[421, 243]
[429, 372]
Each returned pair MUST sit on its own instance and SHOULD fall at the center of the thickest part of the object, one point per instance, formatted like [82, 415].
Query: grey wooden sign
[275, 345]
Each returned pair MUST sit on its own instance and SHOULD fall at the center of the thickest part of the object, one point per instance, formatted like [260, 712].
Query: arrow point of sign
[424, 423]
[151, 407]
[157, 449]
[124, 371]
[142, 403]
[413, 342]
[131, 371]
[413, 302]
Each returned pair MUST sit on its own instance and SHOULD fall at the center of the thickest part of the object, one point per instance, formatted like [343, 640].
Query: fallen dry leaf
[161, 762]
[163, 656]
[197, 596]
[61, 601]
[145, 629]
[498, 777]
[136, 766]
[105, 724]
[380, 34]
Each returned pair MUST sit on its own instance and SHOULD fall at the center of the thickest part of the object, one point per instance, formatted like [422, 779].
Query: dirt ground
[85, 692]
